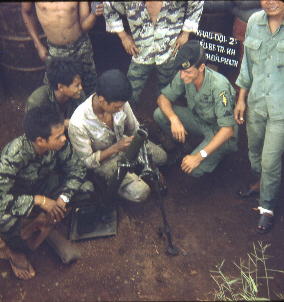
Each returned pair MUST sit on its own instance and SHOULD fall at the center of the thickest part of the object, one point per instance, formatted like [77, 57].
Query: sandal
[265, 223]
[22, 271]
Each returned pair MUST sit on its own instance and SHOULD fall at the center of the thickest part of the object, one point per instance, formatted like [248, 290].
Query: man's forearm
[29, 21]
[88, 22]
[108, 152]
[242, 95]
[166, 107]
[219, 139]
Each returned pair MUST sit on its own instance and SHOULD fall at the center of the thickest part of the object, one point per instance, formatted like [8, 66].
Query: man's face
[57, 138]
[113, 107]
[74, 89]
[273, 7]
[189, 75]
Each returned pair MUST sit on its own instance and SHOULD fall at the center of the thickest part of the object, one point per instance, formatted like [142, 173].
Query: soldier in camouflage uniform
[209, 111]
[39, 175]
[158, 29]
[64, 92]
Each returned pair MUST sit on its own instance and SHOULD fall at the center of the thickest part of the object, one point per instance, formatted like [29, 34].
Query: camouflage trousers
[81, 51]
[49, 187]
[132, 188]
[138, 74]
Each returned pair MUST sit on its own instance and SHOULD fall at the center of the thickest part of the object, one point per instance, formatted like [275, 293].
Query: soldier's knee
[197, 172]
[270, 165]
[87, 186]
[136, 191]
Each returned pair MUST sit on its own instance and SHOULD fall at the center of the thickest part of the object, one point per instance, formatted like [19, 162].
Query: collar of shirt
[263, 20]
[118, 118]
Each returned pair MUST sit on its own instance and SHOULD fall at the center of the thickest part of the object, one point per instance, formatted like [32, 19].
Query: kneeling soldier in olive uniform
[64, 92]
[33, 197]
[209, 111]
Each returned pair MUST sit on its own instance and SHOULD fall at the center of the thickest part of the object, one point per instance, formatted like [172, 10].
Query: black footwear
[251, 190]
[247, 193]
[265, 223]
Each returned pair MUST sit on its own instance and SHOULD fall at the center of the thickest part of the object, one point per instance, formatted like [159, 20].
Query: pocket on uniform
[280, 54]
[253, 46]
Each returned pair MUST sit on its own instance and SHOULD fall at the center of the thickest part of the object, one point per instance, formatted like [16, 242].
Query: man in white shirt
[102, 128]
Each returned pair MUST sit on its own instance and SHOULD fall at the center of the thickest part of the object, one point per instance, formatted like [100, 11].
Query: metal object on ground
[149, 173]
[153, 176]
[65, 249]
[93, 221]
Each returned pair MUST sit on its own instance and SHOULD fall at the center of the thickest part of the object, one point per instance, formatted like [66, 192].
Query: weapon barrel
[132, 151]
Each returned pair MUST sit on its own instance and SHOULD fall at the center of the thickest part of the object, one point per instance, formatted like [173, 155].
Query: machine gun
[136, 155]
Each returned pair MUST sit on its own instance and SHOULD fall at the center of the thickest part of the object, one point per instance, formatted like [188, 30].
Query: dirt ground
[209, 224]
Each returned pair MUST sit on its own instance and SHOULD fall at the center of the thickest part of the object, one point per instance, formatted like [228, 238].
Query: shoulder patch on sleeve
[223, 98]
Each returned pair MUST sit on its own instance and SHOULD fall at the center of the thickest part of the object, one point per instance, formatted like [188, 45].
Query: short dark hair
[39, 120]
[61, 71]
[114, 86]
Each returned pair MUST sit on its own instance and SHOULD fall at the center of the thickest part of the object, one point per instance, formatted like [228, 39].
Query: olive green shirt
[212, 105]
[44, 95]
[262, 69]
[22, 169]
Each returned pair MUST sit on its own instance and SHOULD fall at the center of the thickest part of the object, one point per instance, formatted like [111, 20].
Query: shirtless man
[65, 25]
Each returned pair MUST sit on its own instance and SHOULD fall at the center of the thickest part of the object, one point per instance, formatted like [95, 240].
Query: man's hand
[123, 143]
[239, 112]
[55, 209]
[128, 43]
[181, 39]
[178, 130]
[42, 52]
[61, 203]
[190, 162]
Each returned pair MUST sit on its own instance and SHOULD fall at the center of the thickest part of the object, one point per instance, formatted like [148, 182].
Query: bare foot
[21, 266]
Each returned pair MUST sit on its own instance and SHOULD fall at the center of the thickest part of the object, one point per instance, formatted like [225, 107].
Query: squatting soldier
[209, 111]
[102, 128]
[33, 197]
[261, 81]
[64, 91]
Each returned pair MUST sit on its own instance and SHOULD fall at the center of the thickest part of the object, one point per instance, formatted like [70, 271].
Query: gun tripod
[150, 174]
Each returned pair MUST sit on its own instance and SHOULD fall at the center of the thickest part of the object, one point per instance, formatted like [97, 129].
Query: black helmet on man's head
[114, 86]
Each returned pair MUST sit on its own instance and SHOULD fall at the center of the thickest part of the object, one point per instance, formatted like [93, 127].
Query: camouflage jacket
[21, 170]
[154, 41]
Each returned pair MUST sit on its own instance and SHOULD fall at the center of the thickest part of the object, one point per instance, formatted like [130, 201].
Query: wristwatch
[203, 153]
[64, 198]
